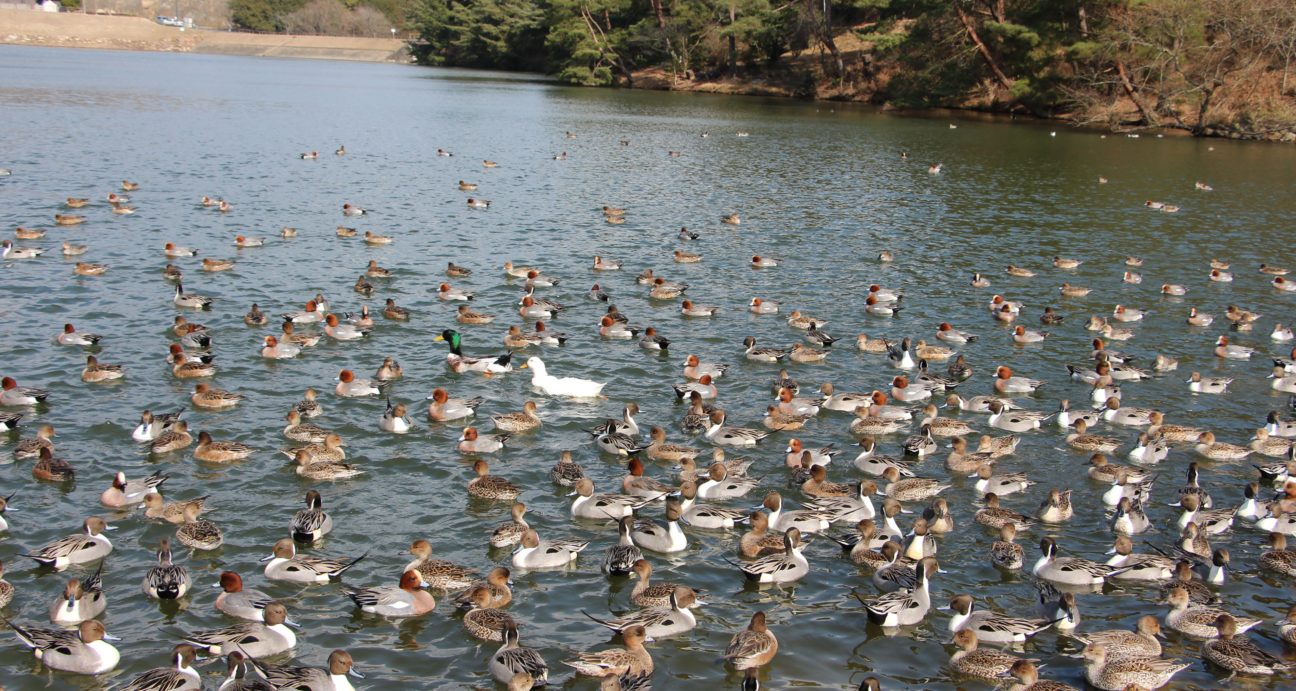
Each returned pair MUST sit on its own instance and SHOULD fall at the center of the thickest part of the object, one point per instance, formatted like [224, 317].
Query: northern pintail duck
[266, 638]
[84, 650]
[1142, 642]
[285, 564]
[1209, 448]
[785, 567]
[632, 660]
[510, 532]
[1238, 655]
[297, 430]
[901, 355]
[720, 434]
[166, 581]
[173, 438]
[1197, 620]
[211, 451]
[12, 252]
[395, 419]
[389, 370]
[862, 546]
[666, 539]
[661, 450]
[1005, 552]
[406, 599]
[180, 676]
[758, 541]
[1069, 570]
[493, 487]
[330, 451]
[334, 677]
[1110, 672]
[702, 516]
[1287, 630]
[769, 355]
[999, 483]
[1015, 420]
[1149, 450]
[204, 396]
[1082, 440]
[81, 600]
[546, 554]
[197, 533]
[30, 447]
[566, 472]
[1117, 414]
[970, 660]
[620, 559]
[1211, 522]
[1278, 558]
[1139, 567]
[806, 520]
[989, 626]
[512, 661]
[311, 523]
[752, 647]
[910, 489]
[587, 504]
[1215, 385]
[439, 574]
[992, 515]
[674, 618]
[944, 426]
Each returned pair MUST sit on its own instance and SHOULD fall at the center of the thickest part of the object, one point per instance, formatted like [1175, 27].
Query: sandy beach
[70, 30]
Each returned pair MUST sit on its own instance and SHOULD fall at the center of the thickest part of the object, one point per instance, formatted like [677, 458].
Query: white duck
[561, 386]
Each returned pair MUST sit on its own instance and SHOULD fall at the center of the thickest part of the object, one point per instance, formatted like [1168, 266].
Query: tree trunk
[1133, 96]
[734, 44]
[827, 39]
[1084, 22]
[1003, 79]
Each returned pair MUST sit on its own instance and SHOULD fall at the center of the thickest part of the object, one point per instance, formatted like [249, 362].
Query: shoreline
[107, 32]
[116, 32]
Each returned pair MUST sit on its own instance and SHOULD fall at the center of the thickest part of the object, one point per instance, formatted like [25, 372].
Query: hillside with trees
[1207, 67]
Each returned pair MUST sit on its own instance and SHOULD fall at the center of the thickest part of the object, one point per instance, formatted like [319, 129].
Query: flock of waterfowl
[940, 421]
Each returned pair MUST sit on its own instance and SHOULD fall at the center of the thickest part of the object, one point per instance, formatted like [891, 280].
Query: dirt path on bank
[71, 30]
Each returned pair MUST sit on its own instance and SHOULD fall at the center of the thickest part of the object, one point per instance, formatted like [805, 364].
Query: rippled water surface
[822, 188]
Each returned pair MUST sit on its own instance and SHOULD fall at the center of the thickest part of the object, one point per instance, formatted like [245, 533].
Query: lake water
[820, 186]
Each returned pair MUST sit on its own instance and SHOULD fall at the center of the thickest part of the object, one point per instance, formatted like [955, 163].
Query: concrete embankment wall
[73, 30]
